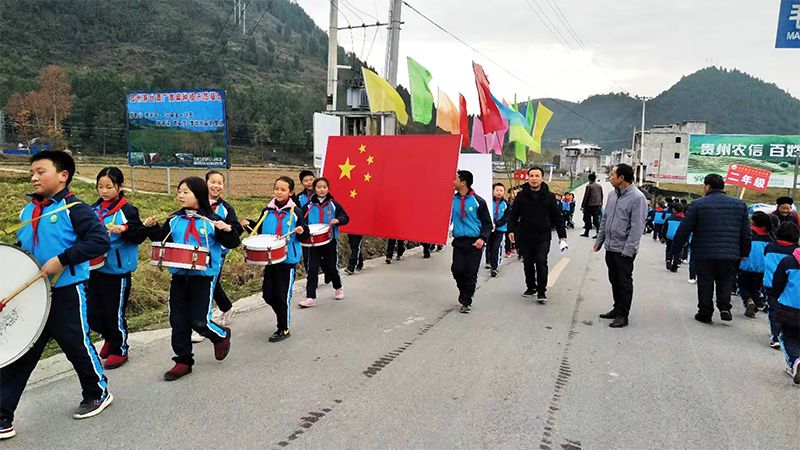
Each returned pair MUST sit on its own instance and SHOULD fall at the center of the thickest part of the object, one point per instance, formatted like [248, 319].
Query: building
[624, 156]
[578, 157]
[665, 154]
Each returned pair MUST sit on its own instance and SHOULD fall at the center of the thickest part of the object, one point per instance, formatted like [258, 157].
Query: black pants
[356, 261]
[426, 249]
[750, 287]
[534, 261]
[494, 249]
[657, 227]
[327, 258]
[391, 244]
[67, 324]
[108, 299]
[190, 303]
[713, 274]
[620, 275]
[672, 255]
[277, 292]
[568, 219]
[220, 297]
[466, 263]
[591, 217]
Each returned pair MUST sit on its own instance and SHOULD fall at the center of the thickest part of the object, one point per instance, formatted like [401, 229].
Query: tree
[39, 113]
[106, 124]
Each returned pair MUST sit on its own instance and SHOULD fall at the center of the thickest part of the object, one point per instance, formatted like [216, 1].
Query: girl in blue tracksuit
[669, 228]
[659, 217]
[786, 242]
[110, 285]
[494, 248]
[191, 291]
[280, 217]
[786, 287]
[322, 208]
[751, 270]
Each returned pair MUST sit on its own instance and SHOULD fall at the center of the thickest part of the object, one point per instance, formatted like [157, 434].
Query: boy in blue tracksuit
[280, 217]
[472, 224]
[751, 269]
[659, 217]
[494, 249]
[63, 241]
[110, 285]
[786, 287]
[568, 209]
[786, 242]
[669, 228]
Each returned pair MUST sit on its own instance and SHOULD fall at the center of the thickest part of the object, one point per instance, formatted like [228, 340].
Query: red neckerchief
[784, 243]
[497, 207]
[280, 213]
[323, 207]
[191, 230]
[761, 231]
[463, 199]
[681, 215]
[37, 212]
[105, 205]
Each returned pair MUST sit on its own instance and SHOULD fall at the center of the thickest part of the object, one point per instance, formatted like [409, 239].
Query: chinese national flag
[397, 187]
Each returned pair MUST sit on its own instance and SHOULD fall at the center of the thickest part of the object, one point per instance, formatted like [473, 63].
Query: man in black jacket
[592, 206]
[530, 223]
[720, 233]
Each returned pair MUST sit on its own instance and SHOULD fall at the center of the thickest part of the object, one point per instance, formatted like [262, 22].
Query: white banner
[481, 167]
[325, 126]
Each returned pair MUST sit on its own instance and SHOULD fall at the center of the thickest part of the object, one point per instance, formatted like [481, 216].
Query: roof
[583, 147]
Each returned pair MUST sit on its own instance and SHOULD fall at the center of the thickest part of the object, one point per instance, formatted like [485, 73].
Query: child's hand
[298, 230]
[117, 229]
[245, 223]
[221, 225]
[335, 222]
[150, 222]
[51, 267]
[478, 244]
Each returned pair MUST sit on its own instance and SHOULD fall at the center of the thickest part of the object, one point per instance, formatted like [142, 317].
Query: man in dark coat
[720, 231]
[592, 206]
[533, 215]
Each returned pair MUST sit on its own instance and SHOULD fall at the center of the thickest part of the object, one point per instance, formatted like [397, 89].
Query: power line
[353, 7]
[549, 25]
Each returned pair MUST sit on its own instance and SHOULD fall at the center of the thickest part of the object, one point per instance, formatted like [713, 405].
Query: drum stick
[19, 290]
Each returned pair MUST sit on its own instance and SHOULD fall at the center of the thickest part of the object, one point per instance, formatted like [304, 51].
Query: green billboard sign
[714, 153]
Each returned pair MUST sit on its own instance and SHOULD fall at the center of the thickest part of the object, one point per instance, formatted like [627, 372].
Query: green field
[168, 142]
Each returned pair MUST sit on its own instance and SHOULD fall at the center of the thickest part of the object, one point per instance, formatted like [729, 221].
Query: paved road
[396, 366]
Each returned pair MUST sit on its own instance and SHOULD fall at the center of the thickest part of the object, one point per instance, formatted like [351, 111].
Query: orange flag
[447, 114]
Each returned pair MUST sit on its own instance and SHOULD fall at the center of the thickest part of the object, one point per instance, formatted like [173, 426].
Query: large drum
[320, 234]
[98, 262]
[264, 249]
[23, 318]
[179, 256]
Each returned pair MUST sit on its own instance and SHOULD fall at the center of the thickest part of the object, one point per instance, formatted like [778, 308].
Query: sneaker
[494, 273]
[701, 318]
[487, 266]
[465, 309]
[726, 316]
[339, 294]
[774, 343]
[307, 303]
[349, 271]
[178, 371]
[508, 254]
[796, 371]
[426, 255]
[92, 408]
[541, 298]
[692, 281]
[115, 361]
[6, 430]
[399, 257]
[223, 347]
[226, 319]
[388, 260]
[279, 335]
[673, 268]
[529, 293]
[669, 266]
[750, 310]
[106, 350]
[196, 337]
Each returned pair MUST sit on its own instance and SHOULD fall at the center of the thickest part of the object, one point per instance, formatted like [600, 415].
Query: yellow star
[370, 159]
[353, 193]
[346, 168]
[362, 149]
[367, 177]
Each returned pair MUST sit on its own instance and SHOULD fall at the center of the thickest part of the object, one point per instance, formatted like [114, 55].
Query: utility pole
[393, 42]
[244, 18]
[660, 162]
[2, 127]
[333, 55]
[638, 155]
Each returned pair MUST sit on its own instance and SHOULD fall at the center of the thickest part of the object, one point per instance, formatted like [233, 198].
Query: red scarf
[497, 208]
[784, 243]
[761, 231]
[106, 205]
[680, 215]
[191, 230]
[463, 199]
[37, 212]
[279, 227]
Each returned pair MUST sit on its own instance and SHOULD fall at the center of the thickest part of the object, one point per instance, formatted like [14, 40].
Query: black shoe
[388, 260]
[609, 315]
[669, 266]
[594, 237]
[673, 268]
[487, 266]
[726, 316]
[426, 255]
[494, 273]
[541, 298]
[92, 408]
[701, 318]
[529, 293]
[465, 309]
[399, 258]
[349, 271]
[585, 234]
[619, 322]
[279, 335]
[750, 310]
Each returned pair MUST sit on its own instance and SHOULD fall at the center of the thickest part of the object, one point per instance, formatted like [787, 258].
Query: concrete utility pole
[638, 155]
[660, 162]
[333, 55]
[2, 127]
[244, 18]
[393, 42]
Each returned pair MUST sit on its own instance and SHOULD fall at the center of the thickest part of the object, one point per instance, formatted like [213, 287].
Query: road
[395, 365]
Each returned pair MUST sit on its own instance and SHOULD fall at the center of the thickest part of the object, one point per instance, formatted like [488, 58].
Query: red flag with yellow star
[398, 187]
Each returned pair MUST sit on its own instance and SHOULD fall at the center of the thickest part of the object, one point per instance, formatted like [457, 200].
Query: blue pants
[69, 326]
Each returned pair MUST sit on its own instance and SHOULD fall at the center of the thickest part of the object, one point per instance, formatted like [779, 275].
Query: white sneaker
[196, 337]
[226, 319]
[691, 281]
[308, 303]
[339, 294]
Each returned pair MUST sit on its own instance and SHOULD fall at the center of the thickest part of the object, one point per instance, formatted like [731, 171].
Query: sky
[642, 47]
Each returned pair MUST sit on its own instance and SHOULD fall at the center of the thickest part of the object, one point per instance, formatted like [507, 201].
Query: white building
[577, 157]
[665, 154]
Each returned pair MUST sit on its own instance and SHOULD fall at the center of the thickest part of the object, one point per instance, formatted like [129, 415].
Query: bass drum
[23, 319]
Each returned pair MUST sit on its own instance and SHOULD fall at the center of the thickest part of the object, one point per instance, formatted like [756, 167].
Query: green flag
[520, 152]
[421, 97]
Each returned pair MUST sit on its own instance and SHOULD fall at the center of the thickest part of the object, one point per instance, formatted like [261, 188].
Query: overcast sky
[639, 46]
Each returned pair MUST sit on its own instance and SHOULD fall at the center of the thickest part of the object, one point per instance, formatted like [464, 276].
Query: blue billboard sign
[788, 25]
[177, 128]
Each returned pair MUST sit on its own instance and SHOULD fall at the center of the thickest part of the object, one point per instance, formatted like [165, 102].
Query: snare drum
[320, 234]
[264, 249]
[23, 319]
[179, 256]
[96, 263]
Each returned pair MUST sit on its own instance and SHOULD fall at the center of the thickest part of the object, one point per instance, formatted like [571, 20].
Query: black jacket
[534, 214]
[719, 227]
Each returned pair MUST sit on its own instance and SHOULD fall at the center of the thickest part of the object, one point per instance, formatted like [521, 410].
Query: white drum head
[318, 228]
[263, 242]
[23, 318]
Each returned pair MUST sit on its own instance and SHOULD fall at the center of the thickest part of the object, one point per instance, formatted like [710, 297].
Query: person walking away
[720, 233]
[786, 242]
[621, 230]
[494, 251]
[751, 269]
[659, 218]
[673, 253]
[591, 205]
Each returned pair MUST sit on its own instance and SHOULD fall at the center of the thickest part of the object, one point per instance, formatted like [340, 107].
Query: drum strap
[260, 221]
[16, 227]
